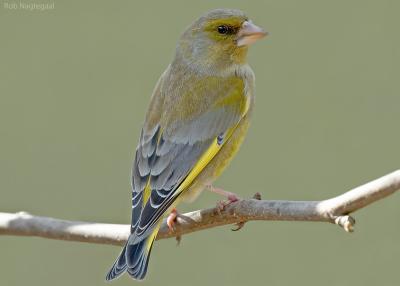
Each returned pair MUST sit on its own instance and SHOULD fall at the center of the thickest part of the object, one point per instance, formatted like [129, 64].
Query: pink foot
[221, 205]
[171, 219]
[230, 196]
[240, 225]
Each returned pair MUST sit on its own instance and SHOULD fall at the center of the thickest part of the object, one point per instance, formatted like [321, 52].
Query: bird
[197, 119]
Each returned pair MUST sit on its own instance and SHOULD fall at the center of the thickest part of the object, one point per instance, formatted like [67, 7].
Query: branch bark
[335, 210]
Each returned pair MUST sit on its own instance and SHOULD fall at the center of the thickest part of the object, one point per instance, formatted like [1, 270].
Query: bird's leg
[171, 219]
[232, 197]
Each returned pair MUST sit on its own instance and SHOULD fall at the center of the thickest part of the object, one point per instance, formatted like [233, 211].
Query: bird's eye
[223, 29]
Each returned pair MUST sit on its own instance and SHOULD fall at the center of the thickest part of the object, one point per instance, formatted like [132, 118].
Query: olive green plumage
[197, 119]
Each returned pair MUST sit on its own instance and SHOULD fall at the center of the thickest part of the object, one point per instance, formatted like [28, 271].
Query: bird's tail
[134, 258]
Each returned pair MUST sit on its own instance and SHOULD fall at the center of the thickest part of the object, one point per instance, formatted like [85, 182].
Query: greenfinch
[198, 116]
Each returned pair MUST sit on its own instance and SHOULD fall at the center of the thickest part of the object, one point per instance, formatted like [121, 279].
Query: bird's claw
[178, 240]
[240, 225]
[221, 205]
[230, 196]
[171, 220]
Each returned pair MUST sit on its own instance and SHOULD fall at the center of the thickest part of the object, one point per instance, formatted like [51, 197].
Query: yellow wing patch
[200, 165]
[153, 236]
[203, 162]
[146, 192]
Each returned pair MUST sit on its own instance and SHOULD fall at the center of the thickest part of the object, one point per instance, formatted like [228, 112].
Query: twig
[335, 210]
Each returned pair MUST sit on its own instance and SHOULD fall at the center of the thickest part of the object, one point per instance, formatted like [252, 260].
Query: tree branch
[335, 210]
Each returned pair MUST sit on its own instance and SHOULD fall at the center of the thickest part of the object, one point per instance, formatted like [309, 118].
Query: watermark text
[28, 6]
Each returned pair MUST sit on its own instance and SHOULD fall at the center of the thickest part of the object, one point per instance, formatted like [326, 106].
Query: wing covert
[168, 155]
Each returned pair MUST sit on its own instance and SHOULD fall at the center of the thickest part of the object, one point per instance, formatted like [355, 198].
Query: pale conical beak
[249, 33]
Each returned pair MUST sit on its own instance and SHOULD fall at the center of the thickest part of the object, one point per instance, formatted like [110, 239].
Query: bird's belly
[218, 164]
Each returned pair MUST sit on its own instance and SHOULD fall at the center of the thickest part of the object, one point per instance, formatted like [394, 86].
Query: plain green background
[75, 83]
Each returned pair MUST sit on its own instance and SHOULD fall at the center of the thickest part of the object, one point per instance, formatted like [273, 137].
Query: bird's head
[218, 39]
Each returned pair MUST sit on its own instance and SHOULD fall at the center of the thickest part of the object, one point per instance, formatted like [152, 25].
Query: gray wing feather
[172, 158]
[206, 126]
[165, 171]
[165, 156]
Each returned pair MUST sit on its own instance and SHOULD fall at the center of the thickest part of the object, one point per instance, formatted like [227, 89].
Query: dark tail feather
[119, 266]
[134, 258]
[137, 257]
